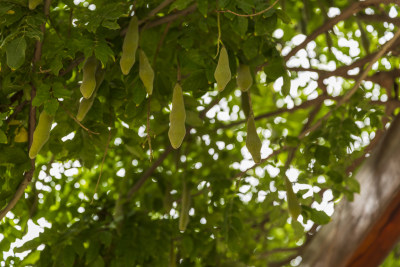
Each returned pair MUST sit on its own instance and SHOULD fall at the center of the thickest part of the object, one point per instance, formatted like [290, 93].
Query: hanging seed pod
[185, 207]
[86, 104]
[89, 77]
[244, 79]
[146, 72]
[130, 46]
[177, 118]
[41, 134]
[222, 73]
[253, 142]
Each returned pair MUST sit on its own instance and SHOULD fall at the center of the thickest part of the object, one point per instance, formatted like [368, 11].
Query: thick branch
[379, 18]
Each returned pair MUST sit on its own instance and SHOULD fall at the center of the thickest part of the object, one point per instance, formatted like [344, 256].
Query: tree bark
[364, 231]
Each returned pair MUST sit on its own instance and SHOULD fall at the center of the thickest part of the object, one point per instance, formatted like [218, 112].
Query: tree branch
[350, 93]
[352, 9]
[249, 15]
[379, 18]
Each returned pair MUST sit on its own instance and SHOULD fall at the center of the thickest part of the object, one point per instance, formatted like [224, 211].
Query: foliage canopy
[318, 110]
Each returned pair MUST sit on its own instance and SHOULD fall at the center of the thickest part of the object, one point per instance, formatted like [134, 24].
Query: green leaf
[3, 137]
[286, 85]
[322, 155]
[112, 25]
[16, 53]
[59, 91]
[42, 95]
[319, 217]
[103, 52]
[68, 256]
[51, 106]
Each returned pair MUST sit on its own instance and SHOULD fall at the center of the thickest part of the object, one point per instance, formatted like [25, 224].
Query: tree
[323, 86]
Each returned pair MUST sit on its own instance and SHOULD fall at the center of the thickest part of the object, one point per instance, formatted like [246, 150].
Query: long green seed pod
[86, 104]
[41, 134]
[89, 77]
[222, 73]
[253, 142]
[185, 207]
[130, 46]
[177, 118]
[146, 73]
[244, 79]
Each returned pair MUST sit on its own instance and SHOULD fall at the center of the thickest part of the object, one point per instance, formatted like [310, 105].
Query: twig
[71, 66]
[303, 105]
[350, 93]
[273, 154]
[156, 10]
[249, 15]
[102, 164]
[148, 128]
[171, 17]
[160, 43]
[352, 9]
[164, 155]
[76, 120]
[148, 173]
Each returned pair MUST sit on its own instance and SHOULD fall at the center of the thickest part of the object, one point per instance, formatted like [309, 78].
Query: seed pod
[222, 73]
[130, 46]
[253, 142]
[293, 203]
[244, 79]
[34, 3]
[89, 77]
[185, 207]
[177, 118]
[86, 104]
[146, 73]
[41, 134]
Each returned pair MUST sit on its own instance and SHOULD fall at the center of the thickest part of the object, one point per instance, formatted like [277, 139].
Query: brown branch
[171, 17]
[160, 43]
[149, 172]
[71, 66]
[273, 154]
[379, 18]
[156, 10]
[249, 15]
[29, 174]
[76, 120]
[165, 19]
[303, 105]
[352, 9]
[350, 93]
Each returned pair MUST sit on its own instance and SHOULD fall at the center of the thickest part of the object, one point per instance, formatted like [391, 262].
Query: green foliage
[134, 218]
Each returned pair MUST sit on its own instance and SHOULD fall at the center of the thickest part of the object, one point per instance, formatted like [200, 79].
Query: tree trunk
[364, 231]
